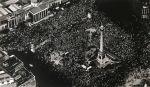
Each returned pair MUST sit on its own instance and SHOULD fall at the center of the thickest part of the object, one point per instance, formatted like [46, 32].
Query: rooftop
[4, 11]
[25, 1]
[9, 2]
[38, 9]
[5, 78]
[49, 0]
[3, 74]
[14, 7]
[22, 76]
[3, 57]
[1, 5]
[11, 64]
[34, 1]
[2, 18]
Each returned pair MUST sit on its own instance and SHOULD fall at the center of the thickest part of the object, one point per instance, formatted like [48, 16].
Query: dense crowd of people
[66, 32]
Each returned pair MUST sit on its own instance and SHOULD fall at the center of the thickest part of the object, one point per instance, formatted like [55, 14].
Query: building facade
[38, 13]
[145, 14]
[6, 80]
[4, 16]
[141, 8]
[145, 10]
[33, 11]
[13, 73]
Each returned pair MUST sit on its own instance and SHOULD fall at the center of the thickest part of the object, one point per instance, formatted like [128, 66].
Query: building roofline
[37, 12]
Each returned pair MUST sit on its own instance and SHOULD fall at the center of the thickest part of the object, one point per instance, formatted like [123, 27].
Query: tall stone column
[101, 44]
[8, 24]
[39, 16]
[43, 14]
[34, 18]
[13, 23]
[101, 41]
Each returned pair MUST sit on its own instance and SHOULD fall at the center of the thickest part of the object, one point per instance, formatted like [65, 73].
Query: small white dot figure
[89, 15]
[145, 85]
